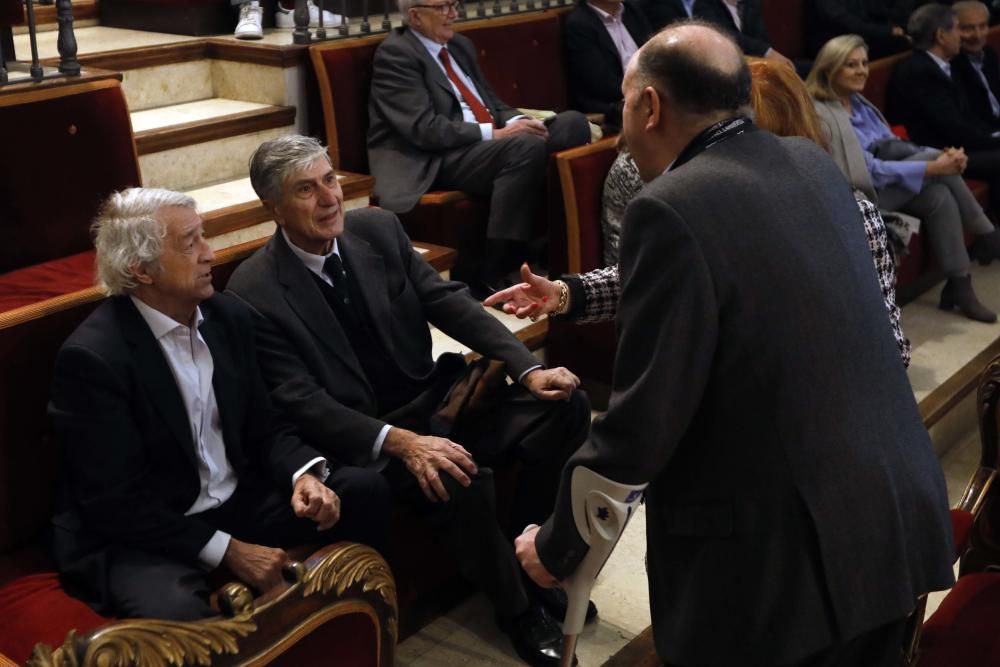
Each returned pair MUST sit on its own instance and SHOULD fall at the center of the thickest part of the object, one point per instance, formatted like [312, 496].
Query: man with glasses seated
[436, 123]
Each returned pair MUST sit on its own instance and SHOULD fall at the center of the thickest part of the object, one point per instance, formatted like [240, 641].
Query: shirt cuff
[379, 440]
[487, 131]
[212, 553]
[317, 467]
[533, 368]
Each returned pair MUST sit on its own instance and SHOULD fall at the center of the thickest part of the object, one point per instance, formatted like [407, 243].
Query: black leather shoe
[536, 637]
[958, 293]
[556, 601]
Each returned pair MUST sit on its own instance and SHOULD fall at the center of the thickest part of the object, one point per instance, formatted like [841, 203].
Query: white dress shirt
[190, 361]
[618, 32]
[734, 9]
[943, 64]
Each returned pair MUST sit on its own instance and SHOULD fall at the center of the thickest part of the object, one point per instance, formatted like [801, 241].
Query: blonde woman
[920, 181]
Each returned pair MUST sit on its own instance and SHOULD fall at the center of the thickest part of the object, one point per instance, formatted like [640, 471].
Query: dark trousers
[540, 435]
[143, 584]
[511, 172]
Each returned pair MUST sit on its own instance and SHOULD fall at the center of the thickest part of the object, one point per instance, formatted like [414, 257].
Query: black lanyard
[724, 129]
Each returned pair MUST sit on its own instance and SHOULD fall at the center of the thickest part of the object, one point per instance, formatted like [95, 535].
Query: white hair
[127, 234]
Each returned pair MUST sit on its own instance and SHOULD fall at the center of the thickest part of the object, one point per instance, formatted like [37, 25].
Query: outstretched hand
[534, 297]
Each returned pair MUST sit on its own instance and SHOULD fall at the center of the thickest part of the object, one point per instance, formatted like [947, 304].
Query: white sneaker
[249, 25]
[285, 18]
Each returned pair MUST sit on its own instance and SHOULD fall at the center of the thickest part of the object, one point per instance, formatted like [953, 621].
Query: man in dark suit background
[795, 506]
[435, 122]
[175, 461]
[976, 68]
[342, 304]
[599, 37]
[880, 22]
[936, 111]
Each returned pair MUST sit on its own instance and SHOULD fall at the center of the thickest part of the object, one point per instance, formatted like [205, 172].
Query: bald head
[698, 69]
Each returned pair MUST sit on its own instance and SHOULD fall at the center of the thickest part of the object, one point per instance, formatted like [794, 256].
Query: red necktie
[478, 110]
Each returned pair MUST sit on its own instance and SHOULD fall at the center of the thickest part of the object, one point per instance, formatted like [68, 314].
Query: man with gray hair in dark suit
[437, 123]
[795, 507]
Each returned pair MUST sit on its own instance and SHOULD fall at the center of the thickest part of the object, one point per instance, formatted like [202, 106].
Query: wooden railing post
[66, 42]
[301, 35]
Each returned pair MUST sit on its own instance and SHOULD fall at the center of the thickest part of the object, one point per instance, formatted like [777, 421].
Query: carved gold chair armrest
[336, 581]
[6, 662]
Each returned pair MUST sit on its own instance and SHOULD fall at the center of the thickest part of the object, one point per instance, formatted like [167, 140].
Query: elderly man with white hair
[175, 462]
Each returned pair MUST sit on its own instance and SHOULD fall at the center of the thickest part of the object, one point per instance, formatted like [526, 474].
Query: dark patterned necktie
[334, 268]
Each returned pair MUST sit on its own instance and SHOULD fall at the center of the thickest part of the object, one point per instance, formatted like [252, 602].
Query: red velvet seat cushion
[44, 281]
[963, 632]
[35, 608]
[961, 527]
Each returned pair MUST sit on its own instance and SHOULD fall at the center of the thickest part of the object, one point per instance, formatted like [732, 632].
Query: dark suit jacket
[593, 67]
[933, 108]
[752, 36]
[965, 75]
[129, 455]
[794, 496]
[662, 13]
[415, 116]
[872, 19]
[313, 373]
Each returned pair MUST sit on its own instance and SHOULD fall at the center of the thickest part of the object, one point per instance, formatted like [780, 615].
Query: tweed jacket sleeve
[878, 241]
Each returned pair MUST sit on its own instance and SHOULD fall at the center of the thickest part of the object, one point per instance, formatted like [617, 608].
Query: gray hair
[404, 8]
[964, 5]
[926, 21]
[127, 234]
[275, 160]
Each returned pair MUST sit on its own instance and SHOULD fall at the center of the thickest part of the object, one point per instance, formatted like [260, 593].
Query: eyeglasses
[444, 8]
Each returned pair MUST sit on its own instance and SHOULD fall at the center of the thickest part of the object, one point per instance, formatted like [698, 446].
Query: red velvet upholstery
[785, 20]
[961, 529]
[73, 147]
[44, 281]
[963, 632]
[36, 609]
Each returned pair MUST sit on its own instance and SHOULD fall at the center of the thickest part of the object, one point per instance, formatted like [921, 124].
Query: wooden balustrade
[65, 42]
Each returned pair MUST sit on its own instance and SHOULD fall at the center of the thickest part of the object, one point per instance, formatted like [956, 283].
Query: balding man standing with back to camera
[795, 508]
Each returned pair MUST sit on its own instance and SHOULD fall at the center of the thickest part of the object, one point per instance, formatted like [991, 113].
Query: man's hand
[256, 565]
[522, 126]
[527, 555]
[551, 384]
[312, 499]
[425, 456]
[534, 297]
[777, 57]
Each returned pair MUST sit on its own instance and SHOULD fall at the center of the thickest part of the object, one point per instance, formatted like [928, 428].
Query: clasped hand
[551, 384]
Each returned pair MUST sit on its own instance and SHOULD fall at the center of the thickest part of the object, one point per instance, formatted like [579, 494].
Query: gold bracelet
[563, 304]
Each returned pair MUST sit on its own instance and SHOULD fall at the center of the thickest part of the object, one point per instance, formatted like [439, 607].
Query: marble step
[188, 123]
